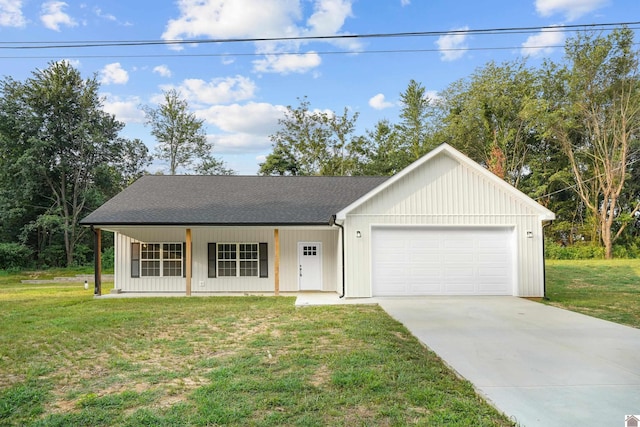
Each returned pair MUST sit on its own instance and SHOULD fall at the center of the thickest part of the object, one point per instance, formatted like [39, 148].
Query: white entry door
[310, 266]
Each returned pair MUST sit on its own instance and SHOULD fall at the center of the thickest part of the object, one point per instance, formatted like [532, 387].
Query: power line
[256, 54]
[30, 45]
[574, 186]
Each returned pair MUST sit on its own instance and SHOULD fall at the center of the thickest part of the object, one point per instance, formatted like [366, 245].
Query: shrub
[15, 256]
[554, 250]
[108, 259]
[52, 256]
[82, 255]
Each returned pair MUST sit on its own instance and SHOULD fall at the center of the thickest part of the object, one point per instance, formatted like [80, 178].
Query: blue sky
[241, 89]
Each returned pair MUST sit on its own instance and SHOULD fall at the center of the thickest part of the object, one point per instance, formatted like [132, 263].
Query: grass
[68, 359]
[609, 290]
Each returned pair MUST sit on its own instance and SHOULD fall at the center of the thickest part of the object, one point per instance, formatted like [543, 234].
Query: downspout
[332, 221]
[544, 263]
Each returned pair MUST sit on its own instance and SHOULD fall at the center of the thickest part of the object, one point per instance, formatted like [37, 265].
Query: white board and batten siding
[447, 195]
[122, 268]
[202, 236]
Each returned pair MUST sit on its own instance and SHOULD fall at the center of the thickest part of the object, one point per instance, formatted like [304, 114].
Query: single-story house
[443, 226]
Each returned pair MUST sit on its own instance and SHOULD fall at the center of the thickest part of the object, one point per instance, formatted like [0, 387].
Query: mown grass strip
[608, 290]
[68, 359]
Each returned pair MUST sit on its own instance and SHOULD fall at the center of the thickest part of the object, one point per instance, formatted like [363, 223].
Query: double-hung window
[240, 259]
[248, 264]
[160, 259]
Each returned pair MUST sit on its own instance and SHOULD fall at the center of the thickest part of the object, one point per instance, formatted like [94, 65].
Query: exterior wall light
[358, 234]
[529, 234]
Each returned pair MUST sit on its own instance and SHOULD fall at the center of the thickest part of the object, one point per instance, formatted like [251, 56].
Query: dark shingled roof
[231, 200]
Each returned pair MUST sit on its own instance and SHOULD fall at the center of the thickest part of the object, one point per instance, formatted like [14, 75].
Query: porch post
[187, 261]
[276, 261]
[97, 259]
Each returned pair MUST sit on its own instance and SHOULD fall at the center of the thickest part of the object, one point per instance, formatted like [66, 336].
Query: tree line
[62, 156]
[565, 133]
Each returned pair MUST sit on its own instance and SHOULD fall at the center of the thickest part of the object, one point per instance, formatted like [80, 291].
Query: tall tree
[58, 140]
[382, 153]
[312, 142]
[414, 127]
[485, 118]
[279, 162]
[181, 137]
[342, 158]
[595, 118]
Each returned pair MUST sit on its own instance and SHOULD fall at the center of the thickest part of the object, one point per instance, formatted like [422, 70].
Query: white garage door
[416, 260]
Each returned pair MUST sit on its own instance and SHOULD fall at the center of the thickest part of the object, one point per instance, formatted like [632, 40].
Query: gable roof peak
[446, 149]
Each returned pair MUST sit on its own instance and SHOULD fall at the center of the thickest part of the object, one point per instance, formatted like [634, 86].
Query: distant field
[606, 289]
[67, 359]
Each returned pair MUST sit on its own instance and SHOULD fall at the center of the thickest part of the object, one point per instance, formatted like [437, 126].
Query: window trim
[136, 257]
[260, 261]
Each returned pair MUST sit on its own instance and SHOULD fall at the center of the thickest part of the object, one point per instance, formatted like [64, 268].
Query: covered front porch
[202, 260]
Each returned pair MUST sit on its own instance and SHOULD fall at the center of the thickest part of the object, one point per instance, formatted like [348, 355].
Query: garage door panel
[458, 258]
[489, 257]
[460, 289]
[423, 289]
[422, 259]
[442, 261]
[492, 242]
[457, 245]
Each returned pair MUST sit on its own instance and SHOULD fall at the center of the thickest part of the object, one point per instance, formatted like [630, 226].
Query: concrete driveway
[540, 365]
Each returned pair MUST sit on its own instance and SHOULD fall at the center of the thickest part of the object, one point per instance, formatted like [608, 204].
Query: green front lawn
[68, 359]
[606, 289]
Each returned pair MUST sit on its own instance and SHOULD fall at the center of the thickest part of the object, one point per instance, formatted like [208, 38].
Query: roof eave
[202, 224]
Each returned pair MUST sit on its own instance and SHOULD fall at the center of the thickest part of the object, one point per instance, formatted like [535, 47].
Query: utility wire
[27, 45]
[255, 54]
[573, 187]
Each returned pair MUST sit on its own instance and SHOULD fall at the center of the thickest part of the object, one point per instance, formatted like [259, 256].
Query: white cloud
[286, 64]
[378, 102]
[11, 14]
[542, 43]
[53, 17]
[405, 2]
[253, 118]
[216, 91]
[114, 73]
[452, 46]
[100, 14]
[108, 17]
[571, 9]
[246, 127]
[238, 18]
[163, 70]
[75, 63]
[329, 16]
[238, 143]
[126, 110]
[432, 95]
[264, 19]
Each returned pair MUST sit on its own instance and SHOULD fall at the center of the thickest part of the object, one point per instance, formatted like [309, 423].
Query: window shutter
[184, 259]
[135, 259]
[263, 253]
[211, 259]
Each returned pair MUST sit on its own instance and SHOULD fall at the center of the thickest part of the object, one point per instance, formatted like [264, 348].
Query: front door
[310, 266]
